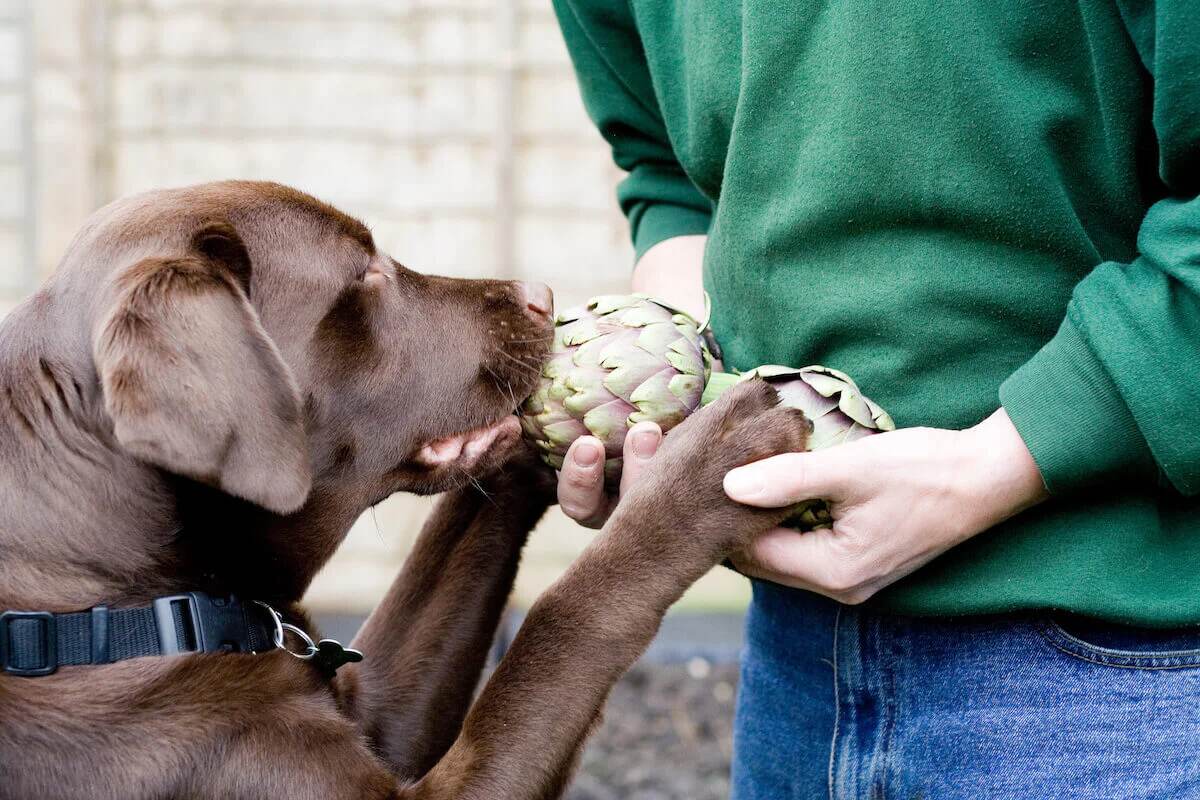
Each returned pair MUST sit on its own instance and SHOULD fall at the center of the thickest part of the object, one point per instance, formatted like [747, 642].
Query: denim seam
[1121, 659]
[837, 703]
[889, 663]
[881, 687]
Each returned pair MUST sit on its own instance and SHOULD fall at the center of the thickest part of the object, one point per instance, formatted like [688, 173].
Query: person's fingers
[596, 521]
[791, 477]
[581, 480]
[751, 569]
[789, 552]
[641, 443]
[809, 561]
[768, 558]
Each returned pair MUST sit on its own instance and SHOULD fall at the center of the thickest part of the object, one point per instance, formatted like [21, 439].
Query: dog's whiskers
[522, 364]
[507, 385]
[523, 368]
[479, 486]
[511, 394]
[469, 478]
[375, 519]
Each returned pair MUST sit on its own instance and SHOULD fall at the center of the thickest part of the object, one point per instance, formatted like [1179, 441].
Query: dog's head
[253, 338]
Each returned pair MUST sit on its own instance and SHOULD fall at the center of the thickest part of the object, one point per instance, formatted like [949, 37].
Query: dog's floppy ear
[192, 382]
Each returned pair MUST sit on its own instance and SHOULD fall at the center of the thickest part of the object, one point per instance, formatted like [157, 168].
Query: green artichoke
[830, 399]
[617, 361]
[833, 403]
[622, 359]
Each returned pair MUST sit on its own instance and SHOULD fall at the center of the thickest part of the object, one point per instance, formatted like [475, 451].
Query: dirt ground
[667, 729]
[667, 735]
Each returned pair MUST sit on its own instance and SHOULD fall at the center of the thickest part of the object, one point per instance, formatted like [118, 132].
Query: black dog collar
[34, 643]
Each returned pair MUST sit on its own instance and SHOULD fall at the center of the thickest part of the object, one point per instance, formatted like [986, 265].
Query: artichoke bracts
[831, 400]
[617, 361]
[622, 359]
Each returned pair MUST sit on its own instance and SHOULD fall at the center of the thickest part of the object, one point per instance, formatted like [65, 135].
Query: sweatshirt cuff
[656, 222]
[1072, 417]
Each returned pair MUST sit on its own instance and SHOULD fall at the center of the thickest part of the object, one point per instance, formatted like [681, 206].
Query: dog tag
[330, 655]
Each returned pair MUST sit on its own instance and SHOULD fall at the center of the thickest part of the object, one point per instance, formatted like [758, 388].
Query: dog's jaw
[444, 463]
[465, 450]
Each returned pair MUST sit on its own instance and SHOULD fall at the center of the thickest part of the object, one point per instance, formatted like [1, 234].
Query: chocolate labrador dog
[193, 411]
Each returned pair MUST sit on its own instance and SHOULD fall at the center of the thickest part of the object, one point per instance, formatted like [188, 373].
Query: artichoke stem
[718, 384]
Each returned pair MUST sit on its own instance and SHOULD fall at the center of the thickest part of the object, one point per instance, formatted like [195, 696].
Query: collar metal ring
[281, 626]
[304, 637]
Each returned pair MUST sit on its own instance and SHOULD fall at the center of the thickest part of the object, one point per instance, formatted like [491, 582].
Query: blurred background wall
[452, 127]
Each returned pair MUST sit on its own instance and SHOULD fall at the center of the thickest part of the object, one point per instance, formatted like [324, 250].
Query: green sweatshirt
[963, 205]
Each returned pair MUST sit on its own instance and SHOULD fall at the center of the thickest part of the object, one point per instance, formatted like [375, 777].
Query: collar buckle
[196, 622]
[28, 643]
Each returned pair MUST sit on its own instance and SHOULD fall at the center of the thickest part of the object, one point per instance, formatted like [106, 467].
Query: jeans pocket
[1123, 646]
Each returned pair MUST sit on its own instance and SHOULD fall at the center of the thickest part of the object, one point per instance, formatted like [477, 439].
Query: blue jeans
[838, 702]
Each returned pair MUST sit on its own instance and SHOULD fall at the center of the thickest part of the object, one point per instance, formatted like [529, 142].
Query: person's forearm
[672, 272]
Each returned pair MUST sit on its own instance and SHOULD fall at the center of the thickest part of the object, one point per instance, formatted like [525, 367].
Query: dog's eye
[377, 275]
[364, 268]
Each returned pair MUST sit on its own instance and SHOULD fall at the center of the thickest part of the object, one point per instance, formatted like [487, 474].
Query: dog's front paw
[686, 480]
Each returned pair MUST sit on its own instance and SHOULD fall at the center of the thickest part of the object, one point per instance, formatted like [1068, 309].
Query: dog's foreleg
[427, 641]
[524, 733]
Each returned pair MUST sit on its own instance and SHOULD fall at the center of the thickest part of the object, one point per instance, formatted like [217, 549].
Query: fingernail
[743, 484]
[586, 455]
[645, 443]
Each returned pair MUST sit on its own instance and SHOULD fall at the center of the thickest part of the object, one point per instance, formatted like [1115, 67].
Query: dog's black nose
[539, 300]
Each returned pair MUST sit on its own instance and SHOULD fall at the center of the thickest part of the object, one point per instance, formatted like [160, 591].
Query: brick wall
[453, 127]
[16, 162]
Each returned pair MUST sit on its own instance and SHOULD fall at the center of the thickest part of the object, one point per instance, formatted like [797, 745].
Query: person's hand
[581, 492]
[670, 270]
[897, 499]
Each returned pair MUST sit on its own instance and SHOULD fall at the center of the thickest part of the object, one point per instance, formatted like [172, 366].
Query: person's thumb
[790, 478]
[641, 443]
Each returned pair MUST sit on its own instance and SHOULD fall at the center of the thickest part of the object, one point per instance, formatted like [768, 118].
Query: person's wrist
[671, 271]
[1002, 477]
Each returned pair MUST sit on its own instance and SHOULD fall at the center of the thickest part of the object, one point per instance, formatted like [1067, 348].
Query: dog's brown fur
[215, 384]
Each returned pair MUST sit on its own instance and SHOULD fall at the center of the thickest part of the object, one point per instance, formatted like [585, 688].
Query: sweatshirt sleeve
[657, 197]
[1116, 392]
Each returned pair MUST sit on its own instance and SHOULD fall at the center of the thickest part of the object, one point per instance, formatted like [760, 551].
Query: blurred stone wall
[452, 127]
[16, 154]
